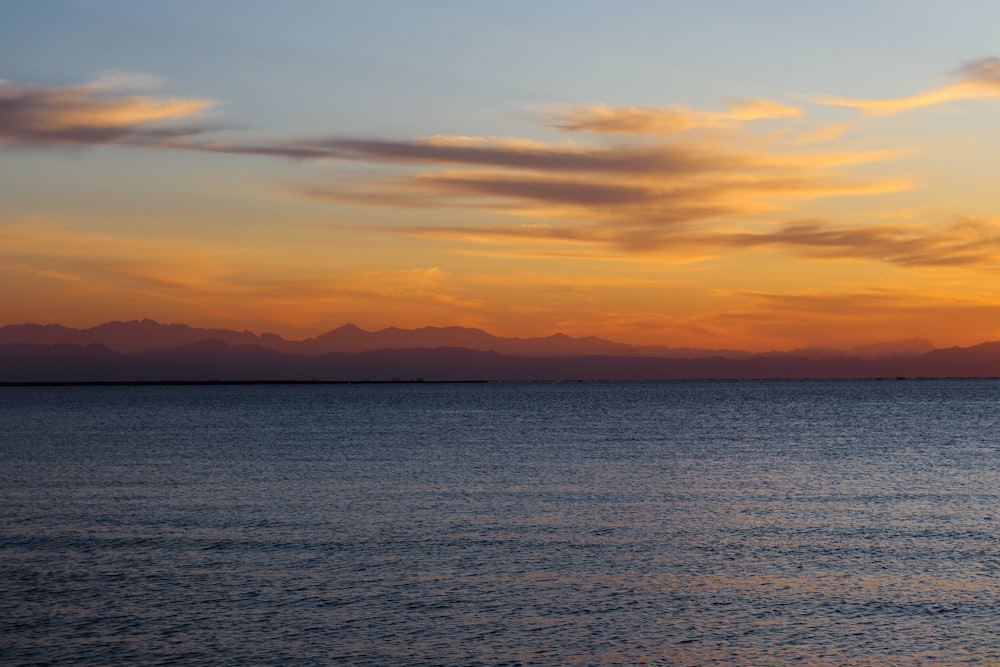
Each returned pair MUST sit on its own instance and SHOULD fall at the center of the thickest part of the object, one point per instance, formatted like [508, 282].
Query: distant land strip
[222, 383]
[146, 352]
[215, 362]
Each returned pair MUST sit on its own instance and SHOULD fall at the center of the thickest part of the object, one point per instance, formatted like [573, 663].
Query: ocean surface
[675, 523]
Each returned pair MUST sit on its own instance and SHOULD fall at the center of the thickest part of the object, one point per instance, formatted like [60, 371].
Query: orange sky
[788, 201]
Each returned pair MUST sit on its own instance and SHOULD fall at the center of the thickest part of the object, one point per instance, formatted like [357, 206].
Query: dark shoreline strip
[200, 383]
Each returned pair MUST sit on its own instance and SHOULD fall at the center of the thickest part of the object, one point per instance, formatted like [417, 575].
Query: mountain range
[144, 335]
[149, 351]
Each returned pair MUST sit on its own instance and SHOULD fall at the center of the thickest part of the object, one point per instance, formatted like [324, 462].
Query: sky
[715, 174]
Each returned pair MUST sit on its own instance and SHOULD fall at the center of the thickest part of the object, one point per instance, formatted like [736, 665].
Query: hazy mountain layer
[139, 336]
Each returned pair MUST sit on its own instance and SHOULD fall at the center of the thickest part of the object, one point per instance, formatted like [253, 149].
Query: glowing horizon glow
[724, 207]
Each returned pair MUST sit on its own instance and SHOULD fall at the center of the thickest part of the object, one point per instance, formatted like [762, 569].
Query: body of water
[681, 523]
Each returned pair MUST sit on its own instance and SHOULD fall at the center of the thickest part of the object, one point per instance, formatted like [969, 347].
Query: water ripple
[682, 524]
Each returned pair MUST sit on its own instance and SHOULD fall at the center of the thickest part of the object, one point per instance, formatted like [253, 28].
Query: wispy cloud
[638, 186]
[825, 133]
[602, 119]
[968, 242]
[662, 191]
[661, 160]
[978, 79]
[965, 242]
[94, 113]
[638, 192]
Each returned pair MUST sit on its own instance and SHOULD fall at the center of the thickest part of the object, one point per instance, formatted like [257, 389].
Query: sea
[584, 523]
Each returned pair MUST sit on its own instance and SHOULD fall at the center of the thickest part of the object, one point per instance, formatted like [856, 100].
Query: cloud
[759, 109]
[638, 186]
[637, 191]
[824, 133]
[639, 217]
[984, 72]
[660, 159]
[91, 114]
[675, 195]
[965, 242]
[601, 119]
[978, 79]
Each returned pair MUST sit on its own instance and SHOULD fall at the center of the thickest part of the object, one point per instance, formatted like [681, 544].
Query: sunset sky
[764, 175]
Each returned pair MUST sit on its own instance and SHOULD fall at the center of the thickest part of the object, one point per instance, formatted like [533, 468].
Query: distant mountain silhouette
[134, 336]
[146, 350]
[215, 359]
[909, 347]
[141, 335]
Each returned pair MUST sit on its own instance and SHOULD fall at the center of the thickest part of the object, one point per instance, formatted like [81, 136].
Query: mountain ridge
[136, 336]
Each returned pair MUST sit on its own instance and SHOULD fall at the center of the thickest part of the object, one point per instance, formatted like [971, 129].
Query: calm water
[767, 523]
